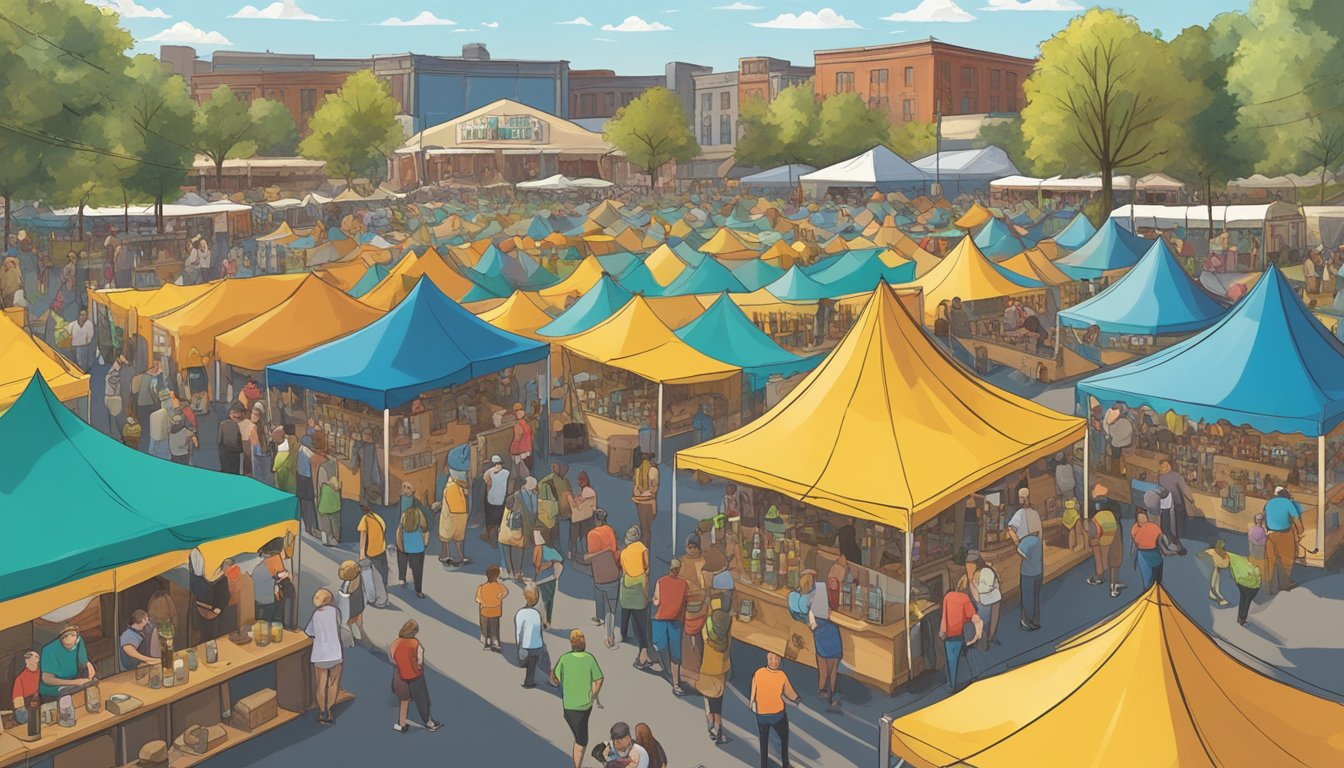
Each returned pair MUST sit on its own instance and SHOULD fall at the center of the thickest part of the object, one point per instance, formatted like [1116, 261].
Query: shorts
[715, 704]
[667, 634]
[452, 527]
[577, 719]
[327, 664]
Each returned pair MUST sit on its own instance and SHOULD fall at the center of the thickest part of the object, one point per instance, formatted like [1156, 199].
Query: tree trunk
[1107, 194]
[7, 219]
[1208, 204]
[158, 208]
[79, 222]
[219, 175]
[653, 177]
[125, 211]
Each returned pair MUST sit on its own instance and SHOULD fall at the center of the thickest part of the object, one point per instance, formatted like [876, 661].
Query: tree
[1286, 73]
[782, 131]
[1007, 135]
[758, 140]
[79, 178]
[224, 129]
[159, 107]
[1102, 98]
[913, 139]
[847, 127]
[274, 133]
[355, 129]
[652, 131]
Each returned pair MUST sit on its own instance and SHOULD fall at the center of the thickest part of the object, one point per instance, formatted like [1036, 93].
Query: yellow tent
[665, 265]
[890, 236]
[1146, 687]
[22, 355]
[607, 213]
[192, 328]
[974, 217]
[399, 282]
[807, 252]
[681, 228]
[731, 245]
[886, 397]
[676, 311]
[631, 241]
[780, 254]
[635, 340]
[314, 314]
[835, 245]
[967, 274]
[343, 274]
[1036, 265]
[521, 313]
[859, 243]
[584, 277]
[283, 235]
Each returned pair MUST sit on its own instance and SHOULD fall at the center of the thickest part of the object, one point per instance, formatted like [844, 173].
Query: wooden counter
[425, 477]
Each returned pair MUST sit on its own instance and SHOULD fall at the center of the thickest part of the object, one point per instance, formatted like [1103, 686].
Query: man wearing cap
[697, 604]
[496, 491]
[1025, 530]
[1283, 519]
[669, 613]
[624, 752]
[65, 663]
[579, 678]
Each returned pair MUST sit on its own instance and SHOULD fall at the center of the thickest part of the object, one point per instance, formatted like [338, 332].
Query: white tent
[590, 183]
[987, 163]
[780, 176]
[556, 183]
[1224, 216]
[878, 167]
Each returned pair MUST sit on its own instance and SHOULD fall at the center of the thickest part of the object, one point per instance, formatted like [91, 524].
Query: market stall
[888, 490]
[419, 382]
[133, 553]
[22, 355]
[128, 314]
[402, 278]
[1270, 419]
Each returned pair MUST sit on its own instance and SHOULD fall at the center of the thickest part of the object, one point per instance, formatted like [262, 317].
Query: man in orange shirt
[769, 689]
[957, 610]
[1147, 553]
[490, 597]
[601, 556]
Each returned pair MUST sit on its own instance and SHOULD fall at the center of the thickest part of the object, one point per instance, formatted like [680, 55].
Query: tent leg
[909, 629]
[266, 380]
[884, 741]
[659, 449]
[674, 506]
[1087, 469]
[387, 456]
[545, 422]
[1320, 508]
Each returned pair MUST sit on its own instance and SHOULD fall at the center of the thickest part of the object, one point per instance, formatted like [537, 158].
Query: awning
[635, 340]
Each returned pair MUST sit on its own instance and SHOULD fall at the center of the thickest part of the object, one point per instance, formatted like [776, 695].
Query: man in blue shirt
[65, 664]
[1283, 519]
[527, 629]
[134, 642]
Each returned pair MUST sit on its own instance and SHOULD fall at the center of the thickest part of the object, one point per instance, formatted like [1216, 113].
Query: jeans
[416, 561]
[531, 659]
[640, 618]
[989, 614]
[1246, 596]
[420, 695]
[953, 646]
[379, 593]
[605, 597]
[1031, 599]
[1150, 567]
[780, 723]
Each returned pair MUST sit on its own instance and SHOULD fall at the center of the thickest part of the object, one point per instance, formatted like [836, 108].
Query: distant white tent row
[560, 183]
[171, 210]
[966, 170]
[1197, 216]
[1058, 184]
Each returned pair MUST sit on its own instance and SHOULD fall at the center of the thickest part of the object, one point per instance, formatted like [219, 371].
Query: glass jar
[211, 652]
[155, 676]
[192, 661]
[277, 631]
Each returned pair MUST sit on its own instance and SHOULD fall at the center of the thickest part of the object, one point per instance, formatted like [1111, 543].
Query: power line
[75, 146]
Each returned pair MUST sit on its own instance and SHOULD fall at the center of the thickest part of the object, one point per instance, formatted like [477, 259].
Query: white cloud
[577, 21]
[281, 10]
[466, 29]
[1032, 5]
[490, 24]
[897, 32]
[128, 9]
[672, 10]
[737, 6]
[604, 39]
[636, 24]
[424, 19]
[931, 11]
[823, 19]
[186, 32]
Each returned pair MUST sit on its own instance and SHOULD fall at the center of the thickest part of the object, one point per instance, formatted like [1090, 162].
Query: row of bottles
[775, 562]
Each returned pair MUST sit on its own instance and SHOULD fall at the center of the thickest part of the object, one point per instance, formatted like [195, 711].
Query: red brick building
[300, 92]
[910, 79]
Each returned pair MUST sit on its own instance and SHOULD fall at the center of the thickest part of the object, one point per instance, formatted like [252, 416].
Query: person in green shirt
[65, 664]
[579, 678]
[1247, 577]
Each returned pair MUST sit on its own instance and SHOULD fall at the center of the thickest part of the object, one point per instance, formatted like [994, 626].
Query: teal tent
[726, 334]
[860, 271]
[1112, 248]
[754, 274]
[372, 277]
[997, 241]
[709, 276]
[637, 278]
[794, 285]
[1076, 234]
[597, 304]
[81, 503]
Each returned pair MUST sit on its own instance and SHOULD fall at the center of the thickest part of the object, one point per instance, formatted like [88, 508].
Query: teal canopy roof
[597, 304]
[1113, 247]
[1076, 234]
[371, 277]
[795, 285]
[860, 271]
[82, 503]
[726, 334]
[755, 273]
[1155, 297]
[997, 241]
[709, 276]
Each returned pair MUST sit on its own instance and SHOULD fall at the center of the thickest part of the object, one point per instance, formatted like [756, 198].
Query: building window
[965, 105]
[706, 130]
[307, 100]
[844, 82]
[908, 110]
[994, 103]
[725, 129]
[1012, 103]
[586, 104]
[611, 102]
[909, 77]
[945, 73]
[968, 75]
[726, 100]
[879, 94]
[1012, 81]
[994, 79]
[244, 96]
[706, 102]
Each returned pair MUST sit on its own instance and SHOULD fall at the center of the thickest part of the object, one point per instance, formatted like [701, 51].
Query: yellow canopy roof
[835, 245]
[228, 304]
[584, 277]
[780, 254]
[681, 228]
[635, 340]
[147, 303]
[731, 244]
[315, 313]
[665, 265]
[1147, 687]
[606, 213]
[966, 273]
[343, 274]
[282, 235]
[22, 355]
[403, 277]
[974, 216]
[1033, 263]
[631, 240]
[890, 236]
[859, 243]
[521, 313]
[676, 311]
[887, 397]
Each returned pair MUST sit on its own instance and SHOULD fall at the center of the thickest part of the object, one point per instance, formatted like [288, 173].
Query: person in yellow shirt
[453, 521]
[634, 594]
[373, 547]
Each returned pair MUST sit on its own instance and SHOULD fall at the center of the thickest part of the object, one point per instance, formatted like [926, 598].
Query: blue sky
[629, 37]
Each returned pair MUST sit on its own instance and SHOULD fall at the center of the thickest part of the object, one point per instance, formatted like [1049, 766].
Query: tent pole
[659, 449]
[1320, 508]
[545, 422]
[266, 379]
[909, 629]
[1087, 466]
[674, 506]
[387, 456]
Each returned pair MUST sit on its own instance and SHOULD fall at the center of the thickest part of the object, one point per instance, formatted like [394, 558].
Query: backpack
[798, 606]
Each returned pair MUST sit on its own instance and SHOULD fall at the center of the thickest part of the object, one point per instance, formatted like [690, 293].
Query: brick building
[600, 92]
[906, 78]
[763, 77]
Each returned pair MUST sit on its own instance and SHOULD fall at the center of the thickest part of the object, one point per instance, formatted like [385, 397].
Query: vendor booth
[22, 355]
[900, 441]
[1249, 404]
[879, 168]
[128, 314]
[214, 682]
[1171, 694]
[419, 382]
[1247, 237]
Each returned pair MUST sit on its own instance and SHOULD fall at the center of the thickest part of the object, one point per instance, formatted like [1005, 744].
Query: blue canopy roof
[755, 273]
[1268, 364]
[795, 285]
[371, 277]
[595, 305]
[426, 342]
[997, 241]
[1076, 234]
[539, 227]
[709, 276]
[1155, 297]
[1112, 247]
[637, 278]
[860, 271]
[726, 334]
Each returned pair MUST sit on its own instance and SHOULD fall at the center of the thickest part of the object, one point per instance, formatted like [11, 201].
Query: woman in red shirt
[408, 677]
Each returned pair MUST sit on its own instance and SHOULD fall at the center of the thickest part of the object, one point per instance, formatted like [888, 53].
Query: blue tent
[687, 251]
[1268, 364]
[616, 263]
[860, 271]
[490, 285]
[755, 273]
[539, 227]
[426, 342]
[597, 304]
[1155, 297]
[795, 285]
[709, 276]
[726, 334]
[638, 279]
[371, 277]
[1076, 234]
[997, 241]
[1113, 247]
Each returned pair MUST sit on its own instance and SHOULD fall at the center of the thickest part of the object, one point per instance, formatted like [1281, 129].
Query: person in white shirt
[527, 628]
[81, 340]
[983, 582]
[1026, 520]
[623, 752]
[496, 492]
[205, 261]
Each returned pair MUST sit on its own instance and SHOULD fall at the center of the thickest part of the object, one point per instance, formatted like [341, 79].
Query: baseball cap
[495, 459]
[620, 731]
[675, 564]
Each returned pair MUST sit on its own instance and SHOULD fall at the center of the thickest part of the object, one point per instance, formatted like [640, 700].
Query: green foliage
[653, 130]
[1102, 99]
[783, 131]
[847, 127]
[913, 140]
[274, 133]
[758, 141]
[1007, 135]
[159, 108]
[224, 128]
[355, 129]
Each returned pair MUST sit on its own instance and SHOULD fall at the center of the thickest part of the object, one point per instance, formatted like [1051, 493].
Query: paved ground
[489, 717]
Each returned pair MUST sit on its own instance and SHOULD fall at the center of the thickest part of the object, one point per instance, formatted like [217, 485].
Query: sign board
[523, 129]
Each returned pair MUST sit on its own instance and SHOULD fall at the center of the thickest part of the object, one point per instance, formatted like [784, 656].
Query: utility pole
[937, 130]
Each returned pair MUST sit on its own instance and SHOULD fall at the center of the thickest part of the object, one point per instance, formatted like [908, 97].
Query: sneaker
[1093, 580]
[399, 728]
[1115, 592]
[677, 690]
[1027, 626]
[433, 725]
